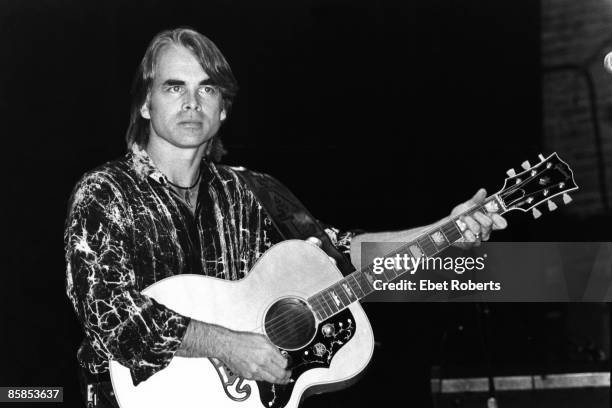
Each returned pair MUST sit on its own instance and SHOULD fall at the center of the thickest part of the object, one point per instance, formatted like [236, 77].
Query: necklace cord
[185, 188]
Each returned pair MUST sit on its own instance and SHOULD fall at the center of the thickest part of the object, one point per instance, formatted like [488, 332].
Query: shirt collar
[144, 166]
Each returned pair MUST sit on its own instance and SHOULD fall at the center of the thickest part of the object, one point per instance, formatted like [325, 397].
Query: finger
[265, 376]
[271, 353]
[462, 225]
[279, 375]
[274, 357]
[472, 224]
[286, 378]
[485, 225]
[499, 222]
[279, 361]
[483, 220]
[469, 236]
[479, 197]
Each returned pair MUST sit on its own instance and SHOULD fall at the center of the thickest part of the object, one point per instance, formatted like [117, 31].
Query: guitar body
[271, 300]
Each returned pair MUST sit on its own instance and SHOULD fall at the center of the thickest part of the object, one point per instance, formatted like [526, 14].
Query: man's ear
[223, 115]
[144, 109]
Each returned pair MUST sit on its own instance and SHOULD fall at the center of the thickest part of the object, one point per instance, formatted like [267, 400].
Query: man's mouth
[191, 124]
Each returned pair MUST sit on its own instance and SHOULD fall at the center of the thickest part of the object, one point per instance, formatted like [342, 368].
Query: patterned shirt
[126, 229]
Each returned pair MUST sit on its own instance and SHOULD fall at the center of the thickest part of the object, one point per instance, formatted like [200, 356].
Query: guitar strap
[290, 218]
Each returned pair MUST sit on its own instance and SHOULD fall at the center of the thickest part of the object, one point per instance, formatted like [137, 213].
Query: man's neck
[179, 165]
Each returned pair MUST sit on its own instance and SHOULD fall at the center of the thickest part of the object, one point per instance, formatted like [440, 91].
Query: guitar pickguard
[332, 334]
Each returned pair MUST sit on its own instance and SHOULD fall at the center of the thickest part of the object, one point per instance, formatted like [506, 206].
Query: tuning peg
[552, 206]
[526, 165]
[541, 157]
[536, 213]
[566, 198]
[511, 173]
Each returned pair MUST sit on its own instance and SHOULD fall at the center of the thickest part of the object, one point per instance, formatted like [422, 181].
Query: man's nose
[191, 102]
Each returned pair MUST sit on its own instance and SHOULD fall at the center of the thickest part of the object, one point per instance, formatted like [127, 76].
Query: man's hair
[212, 62]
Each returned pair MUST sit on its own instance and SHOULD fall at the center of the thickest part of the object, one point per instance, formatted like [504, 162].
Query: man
[166, 209]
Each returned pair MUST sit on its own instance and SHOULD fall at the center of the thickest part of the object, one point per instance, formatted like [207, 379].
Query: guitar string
[291, 332]
[275, 323]
[280, 326]
[290, 326]
[427, 233]
[278, 323]
[322, 295]
[403, 247]
[287, 316]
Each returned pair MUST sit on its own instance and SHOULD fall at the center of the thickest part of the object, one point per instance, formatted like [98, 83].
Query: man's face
[184, 108]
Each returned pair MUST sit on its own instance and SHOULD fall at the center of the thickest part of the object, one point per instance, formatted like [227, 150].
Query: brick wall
[575, 37]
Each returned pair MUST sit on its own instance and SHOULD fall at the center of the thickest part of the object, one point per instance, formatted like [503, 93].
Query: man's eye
[210, 90]
[175, 89]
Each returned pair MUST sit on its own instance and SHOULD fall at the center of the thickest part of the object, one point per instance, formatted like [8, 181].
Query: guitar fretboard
[360, 283]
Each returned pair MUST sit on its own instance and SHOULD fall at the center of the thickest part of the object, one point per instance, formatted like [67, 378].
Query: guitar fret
[493, 205]
[321, 308]
[332, 300]
[352, 296]
[439, 239]
[461, 226]
[341, 294]
[318, 313]
[451, 231]
[369, 272]
[364, 283]
[427, 245]
[324, 304]
[477, 208]
[355, 285]
[389, 274]
[415, 250]
[314, 305]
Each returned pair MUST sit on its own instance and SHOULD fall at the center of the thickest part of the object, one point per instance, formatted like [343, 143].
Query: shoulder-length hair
[213, 63]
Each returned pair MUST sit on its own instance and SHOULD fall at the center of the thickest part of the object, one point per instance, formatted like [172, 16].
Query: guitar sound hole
[290, 324]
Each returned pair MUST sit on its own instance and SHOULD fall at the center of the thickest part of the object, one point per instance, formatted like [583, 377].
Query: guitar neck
[360, 283]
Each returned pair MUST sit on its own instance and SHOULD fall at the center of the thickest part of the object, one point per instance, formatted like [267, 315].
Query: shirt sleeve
[120, 322]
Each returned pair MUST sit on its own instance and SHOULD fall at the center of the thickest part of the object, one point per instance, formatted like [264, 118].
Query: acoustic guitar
[296, 297]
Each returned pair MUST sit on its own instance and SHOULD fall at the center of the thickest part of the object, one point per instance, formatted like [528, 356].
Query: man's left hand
[477, 227]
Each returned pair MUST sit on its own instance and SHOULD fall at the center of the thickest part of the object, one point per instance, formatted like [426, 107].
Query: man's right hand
[249, 355]
[253, 357]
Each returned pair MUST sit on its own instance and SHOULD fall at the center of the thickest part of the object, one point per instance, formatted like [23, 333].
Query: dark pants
[97, 390]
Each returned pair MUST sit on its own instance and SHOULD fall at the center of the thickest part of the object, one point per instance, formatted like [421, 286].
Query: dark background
[378, 116]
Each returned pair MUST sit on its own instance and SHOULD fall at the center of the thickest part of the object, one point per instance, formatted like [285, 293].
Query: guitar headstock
[538, 184]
